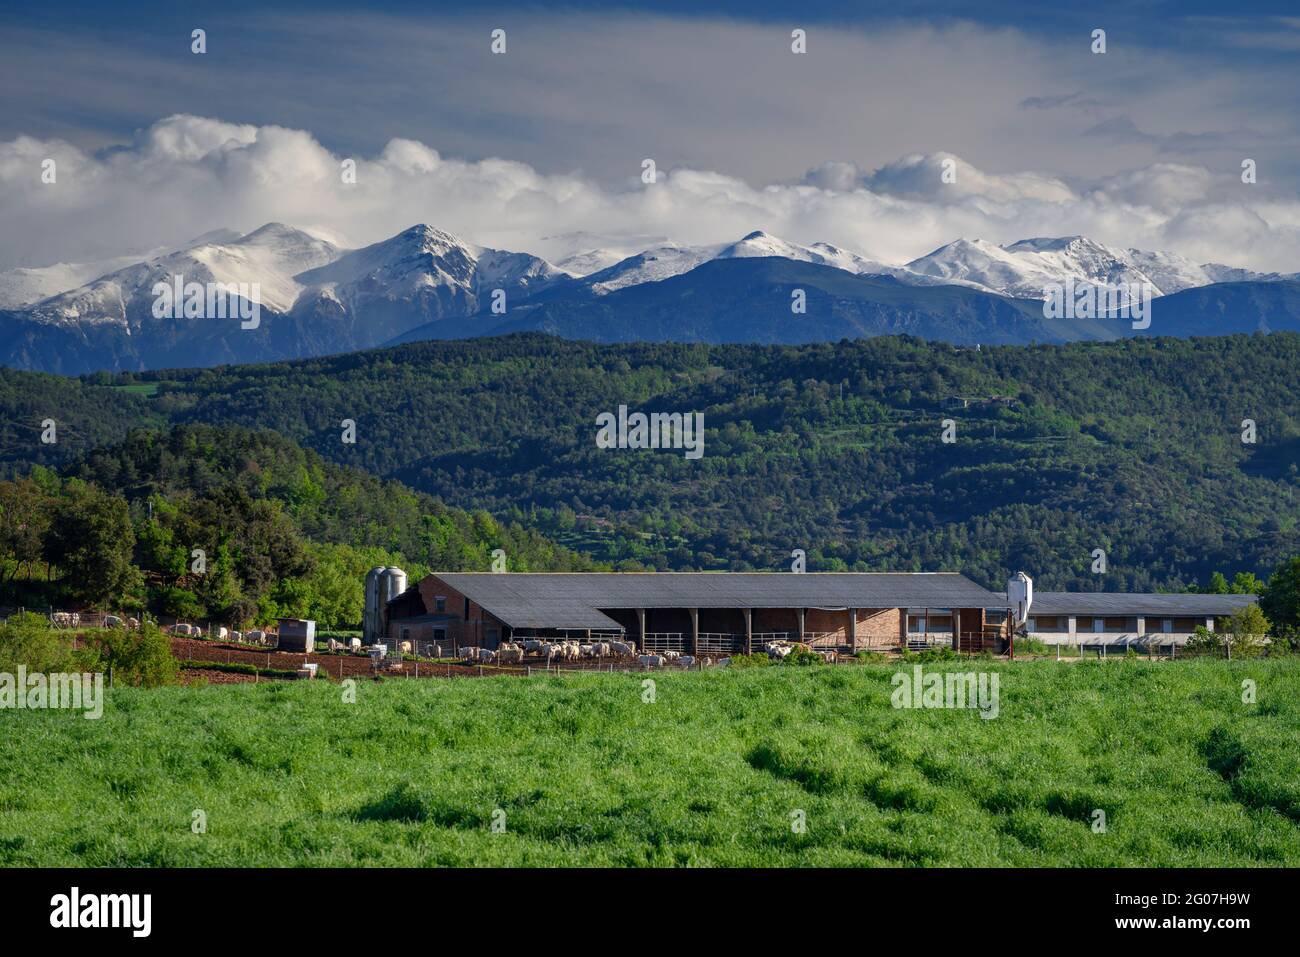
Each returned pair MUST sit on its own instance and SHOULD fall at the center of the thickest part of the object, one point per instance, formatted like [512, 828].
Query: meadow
[718, 769]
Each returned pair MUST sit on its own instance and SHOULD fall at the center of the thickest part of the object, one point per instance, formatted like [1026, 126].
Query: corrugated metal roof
[573, 600]
[1125, 604]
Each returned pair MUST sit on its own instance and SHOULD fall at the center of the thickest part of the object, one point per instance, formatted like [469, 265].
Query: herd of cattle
[221, 633]
[539, 650]
[543, 651]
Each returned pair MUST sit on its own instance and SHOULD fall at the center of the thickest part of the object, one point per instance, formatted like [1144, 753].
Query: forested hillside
[281, 531]
[1134, 447]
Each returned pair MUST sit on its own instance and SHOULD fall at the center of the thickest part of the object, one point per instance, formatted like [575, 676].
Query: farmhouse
[1115, 618]
[699, 613]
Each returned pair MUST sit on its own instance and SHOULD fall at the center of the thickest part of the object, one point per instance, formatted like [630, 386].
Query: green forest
[224, 524]
[1134, 447]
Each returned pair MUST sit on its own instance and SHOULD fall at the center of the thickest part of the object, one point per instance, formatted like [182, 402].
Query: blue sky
[1140, 146]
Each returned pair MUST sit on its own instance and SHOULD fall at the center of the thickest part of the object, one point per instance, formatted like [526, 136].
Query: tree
[24, 521]
[1246, 583]
[1280, 601]
[1247, 629]
[90, 540]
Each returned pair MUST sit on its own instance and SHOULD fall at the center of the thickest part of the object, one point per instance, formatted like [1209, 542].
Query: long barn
[701, 613]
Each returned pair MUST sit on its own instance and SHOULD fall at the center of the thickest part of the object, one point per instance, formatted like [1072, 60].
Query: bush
[1204, 642]
[759, 660]
[803, 656]
[142, 657]
[28, 640]
[931, 654]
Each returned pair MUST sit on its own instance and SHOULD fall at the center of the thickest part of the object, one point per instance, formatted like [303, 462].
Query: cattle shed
[1117, 618]
[702, 613]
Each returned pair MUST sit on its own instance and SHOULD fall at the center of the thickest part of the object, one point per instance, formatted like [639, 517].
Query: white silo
[392, 582]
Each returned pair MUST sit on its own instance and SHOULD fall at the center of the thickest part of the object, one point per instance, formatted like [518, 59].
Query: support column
[1141, 626]
[802, 613]
[749, 631]
[695, 630]
[853, 630]
[1209, 624]
[1074, 627]
[640, 635]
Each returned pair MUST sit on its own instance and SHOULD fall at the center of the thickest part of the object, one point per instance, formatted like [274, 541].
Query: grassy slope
[588, 774]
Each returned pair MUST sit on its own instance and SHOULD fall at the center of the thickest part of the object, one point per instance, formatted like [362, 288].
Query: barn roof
[575, 599]
[1126, 604]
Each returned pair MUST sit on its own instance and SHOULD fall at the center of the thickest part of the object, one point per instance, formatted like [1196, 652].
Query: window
[440, 603]
[467, 609]
[440, 635]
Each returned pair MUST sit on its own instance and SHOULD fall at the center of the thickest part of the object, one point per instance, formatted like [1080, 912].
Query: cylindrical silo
[392, 582]
[370, 618]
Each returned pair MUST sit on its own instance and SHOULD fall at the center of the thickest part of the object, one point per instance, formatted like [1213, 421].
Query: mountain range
[316, 297]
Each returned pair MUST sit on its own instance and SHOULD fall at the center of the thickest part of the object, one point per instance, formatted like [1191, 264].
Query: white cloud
[185, 175]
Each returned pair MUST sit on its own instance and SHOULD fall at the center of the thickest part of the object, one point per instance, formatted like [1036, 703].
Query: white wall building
[1115, 618]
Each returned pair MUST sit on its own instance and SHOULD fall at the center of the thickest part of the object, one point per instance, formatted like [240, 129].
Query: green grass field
[586, 773]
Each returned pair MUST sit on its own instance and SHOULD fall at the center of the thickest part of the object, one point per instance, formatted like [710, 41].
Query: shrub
[931, 654]
[871, 657]
[28, 640]
[803, 656]
[142, 657]
[1204, 641]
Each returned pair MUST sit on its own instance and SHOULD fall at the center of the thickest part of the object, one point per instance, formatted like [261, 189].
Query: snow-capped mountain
[650, 265]
[319, 298]
[315, 298]
[269, 257]
[670, 259]
[430, 271]
[1023, 268]
[25, 286]
[589, 261]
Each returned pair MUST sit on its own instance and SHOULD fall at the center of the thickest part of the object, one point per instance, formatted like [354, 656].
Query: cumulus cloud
[186, 175]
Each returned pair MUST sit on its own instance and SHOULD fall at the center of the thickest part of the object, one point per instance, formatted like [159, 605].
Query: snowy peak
[267, 258]
[651, 265]
[444, 273]
[1022, 269]
[671, 259]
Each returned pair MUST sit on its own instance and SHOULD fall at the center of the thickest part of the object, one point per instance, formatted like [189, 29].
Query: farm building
[1115, 618]
[700, 613]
